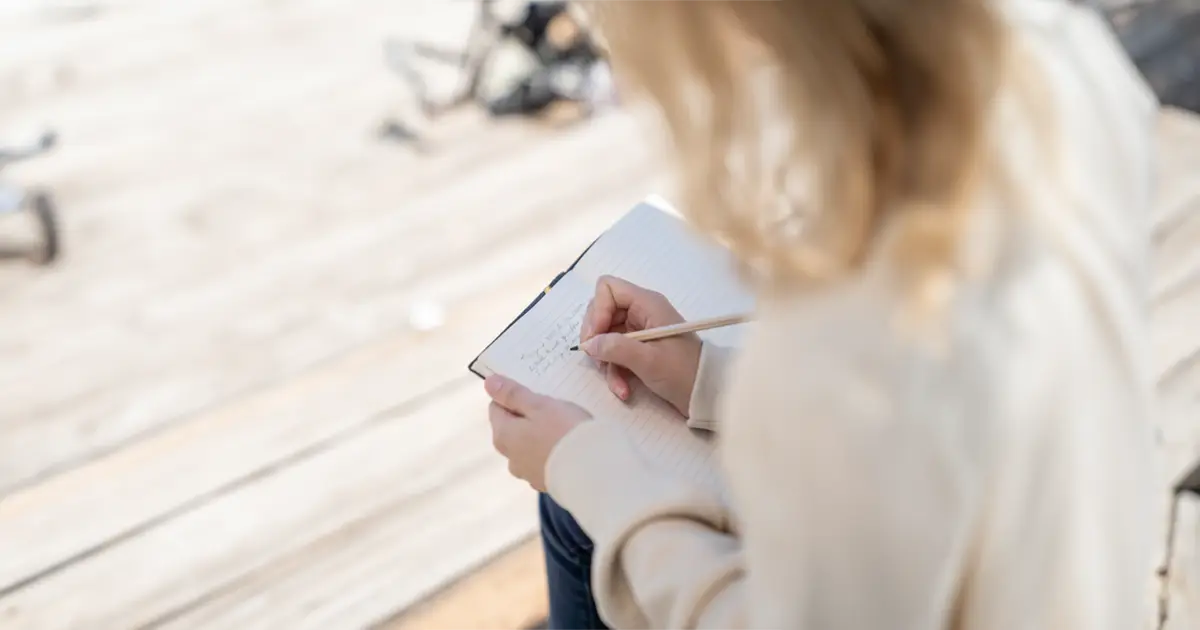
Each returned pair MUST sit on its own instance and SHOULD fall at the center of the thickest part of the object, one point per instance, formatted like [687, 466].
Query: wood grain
[269, 327]
[367, 570]
[173, 468]
[1177, 354]
[508, 591]
[219, 238]
[198, 406]
[113, 496]
[394, 463]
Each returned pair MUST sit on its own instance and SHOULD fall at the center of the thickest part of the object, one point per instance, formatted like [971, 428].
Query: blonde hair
[865, 113]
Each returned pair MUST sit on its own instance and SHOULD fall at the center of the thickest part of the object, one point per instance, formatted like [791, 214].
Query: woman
[941, 416]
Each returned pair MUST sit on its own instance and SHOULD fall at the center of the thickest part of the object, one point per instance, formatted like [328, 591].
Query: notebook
[652, 247]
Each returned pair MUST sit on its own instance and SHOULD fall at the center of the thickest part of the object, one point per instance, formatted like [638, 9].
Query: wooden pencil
[683, 328]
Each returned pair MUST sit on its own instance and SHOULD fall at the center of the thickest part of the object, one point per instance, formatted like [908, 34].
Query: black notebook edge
[560, 276]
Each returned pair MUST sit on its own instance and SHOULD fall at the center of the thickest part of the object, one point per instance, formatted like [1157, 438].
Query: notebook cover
[471, 365]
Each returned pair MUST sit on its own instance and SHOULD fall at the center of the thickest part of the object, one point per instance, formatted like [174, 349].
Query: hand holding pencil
[621, 318]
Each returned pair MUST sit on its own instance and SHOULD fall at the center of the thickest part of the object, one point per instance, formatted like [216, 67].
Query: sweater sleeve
[843, 485]
[664, 551]
[710, 380]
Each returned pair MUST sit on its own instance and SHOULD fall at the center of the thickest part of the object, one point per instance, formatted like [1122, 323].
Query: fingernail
[590, 346]
[492, 384]
[623, 392]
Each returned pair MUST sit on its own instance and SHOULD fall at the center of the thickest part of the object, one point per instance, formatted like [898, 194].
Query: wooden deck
[1176, 320]
[214, 413]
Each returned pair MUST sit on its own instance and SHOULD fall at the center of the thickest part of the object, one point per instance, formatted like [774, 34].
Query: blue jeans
[568, 569]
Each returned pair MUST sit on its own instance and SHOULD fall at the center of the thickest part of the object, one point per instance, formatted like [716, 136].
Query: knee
[560, 529]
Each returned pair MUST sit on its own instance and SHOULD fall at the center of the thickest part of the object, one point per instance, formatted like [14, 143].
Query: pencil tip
[574, 348]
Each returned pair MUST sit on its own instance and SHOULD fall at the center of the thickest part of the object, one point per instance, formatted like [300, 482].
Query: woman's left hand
[526, 427]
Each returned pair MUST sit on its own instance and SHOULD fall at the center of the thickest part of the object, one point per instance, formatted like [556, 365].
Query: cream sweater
[1001, 480]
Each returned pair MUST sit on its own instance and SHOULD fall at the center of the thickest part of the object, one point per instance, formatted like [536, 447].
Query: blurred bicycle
[566, 65]
[37, 203]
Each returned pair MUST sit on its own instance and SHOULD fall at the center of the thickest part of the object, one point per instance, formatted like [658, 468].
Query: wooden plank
[366, 571]
[170, 243]
[1183, 592]
[224, 192]
[507, 592]
[1176, 285]
[268, 328]
[1177, 354]
[151, 44]
[394, 463]
[75, 513]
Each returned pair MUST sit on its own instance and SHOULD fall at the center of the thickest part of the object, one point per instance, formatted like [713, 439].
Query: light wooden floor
[1176, 327]
[214, 412]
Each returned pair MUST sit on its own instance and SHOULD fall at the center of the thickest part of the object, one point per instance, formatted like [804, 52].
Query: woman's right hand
[667, 366]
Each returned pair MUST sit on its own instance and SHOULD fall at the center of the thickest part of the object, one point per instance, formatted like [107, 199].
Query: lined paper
[656, 250]
[652, 249]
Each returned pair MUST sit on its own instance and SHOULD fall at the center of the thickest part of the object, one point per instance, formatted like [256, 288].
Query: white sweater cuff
[710, 382]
